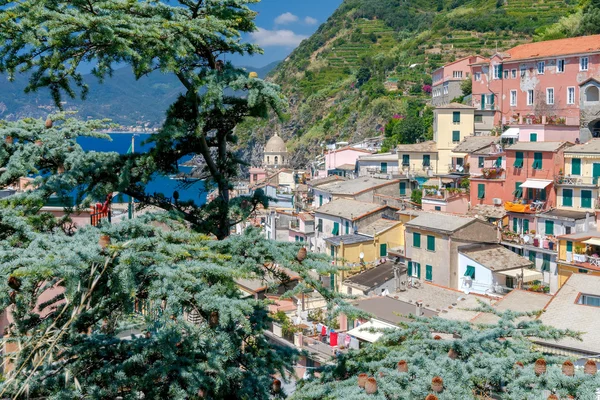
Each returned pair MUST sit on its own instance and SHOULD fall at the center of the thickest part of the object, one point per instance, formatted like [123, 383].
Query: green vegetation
[326, 74]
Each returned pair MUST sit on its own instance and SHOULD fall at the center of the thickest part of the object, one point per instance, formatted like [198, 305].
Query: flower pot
[540, 366]
[9, 140]
[431, 397]
[590, 368]
[568, 368]
[402, 366]
[276, 386]
[104, 241]
[301, 254]
[362, 379]
[371, 386]
[452, 354]
[214, 319]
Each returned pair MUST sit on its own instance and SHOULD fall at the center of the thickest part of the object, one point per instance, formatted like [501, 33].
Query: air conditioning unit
[497, 201]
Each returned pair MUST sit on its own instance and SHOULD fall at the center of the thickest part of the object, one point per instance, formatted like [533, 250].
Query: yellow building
[365, 248]
[578, 253]
[577, 188]
[451, 124]
[419, 159]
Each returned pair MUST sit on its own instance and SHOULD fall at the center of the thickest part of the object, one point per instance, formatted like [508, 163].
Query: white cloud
[310, 21]
[286, 18]
[283, 37]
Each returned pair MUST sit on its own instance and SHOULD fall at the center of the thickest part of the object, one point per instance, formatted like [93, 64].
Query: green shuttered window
[428, 273]
[456, 136]
[456, 117]
[567, 197]
[430, 243]
[586, 199]
[480, 191]
[416, 239]
[576, 166]
[518, 160]
[537, 161]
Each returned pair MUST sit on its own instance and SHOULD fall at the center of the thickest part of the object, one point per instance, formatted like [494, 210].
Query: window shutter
[428, 273]
[499, 162]
[586, 199]
[416, 239]
[410, 268]
[567, 195]
[456, 136]
[483, 101]
[525, 225]
[515, 224]
[532, 256]
[426, 160]
[518, 191]
[533, 137]
[418, 270]
[383, 250]
[403, 188]
[480, 191]
[549, 227]
[570, 247]
[576, 166]
[456, 116]
[431, 243]
[481, 162]
[518, 159]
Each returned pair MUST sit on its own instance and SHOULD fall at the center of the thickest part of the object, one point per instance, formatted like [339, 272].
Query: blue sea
[160, 184]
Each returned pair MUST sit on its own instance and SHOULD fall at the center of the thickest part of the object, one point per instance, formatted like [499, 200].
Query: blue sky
[282, 26]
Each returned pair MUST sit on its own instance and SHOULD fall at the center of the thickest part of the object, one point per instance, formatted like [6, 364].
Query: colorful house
[447, 80]
[578, 253]
[543, 83]
[345, 155]
[578, 186]
[451, 124]
[419, 159]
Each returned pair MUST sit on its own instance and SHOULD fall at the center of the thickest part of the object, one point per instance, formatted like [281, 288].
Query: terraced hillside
[338, 80]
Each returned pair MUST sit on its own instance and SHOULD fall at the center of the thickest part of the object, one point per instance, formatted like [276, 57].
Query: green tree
[187, 39]
[466, 87]
[590, 22]
[416, 196]
[462, 360]
[363, 75]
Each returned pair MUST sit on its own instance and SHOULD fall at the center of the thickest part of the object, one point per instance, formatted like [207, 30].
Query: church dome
[275, 145]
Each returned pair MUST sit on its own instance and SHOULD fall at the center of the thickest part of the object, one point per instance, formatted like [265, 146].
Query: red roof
[553, 48]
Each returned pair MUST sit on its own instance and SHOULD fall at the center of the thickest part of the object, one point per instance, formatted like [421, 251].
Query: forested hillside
[337, 81]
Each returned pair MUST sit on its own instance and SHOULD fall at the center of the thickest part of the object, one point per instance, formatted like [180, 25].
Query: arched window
[283, 162]
[592, 94]
[276, 160]
[268, 160]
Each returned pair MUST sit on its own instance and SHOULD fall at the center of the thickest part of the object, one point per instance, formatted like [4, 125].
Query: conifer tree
[188, 39]
[455, 360]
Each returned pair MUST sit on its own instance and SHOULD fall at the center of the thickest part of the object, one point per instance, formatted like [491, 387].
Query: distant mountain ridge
[120, 98]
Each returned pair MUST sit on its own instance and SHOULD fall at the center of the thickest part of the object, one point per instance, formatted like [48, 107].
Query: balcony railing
[575, 180]
[493, 173]
[458, 168]
[443, 194]
[527, 206]
[530, 240]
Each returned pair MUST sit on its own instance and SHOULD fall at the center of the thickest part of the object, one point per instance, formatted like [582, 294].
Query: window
[518, 160]
[533, 137]
[437, 208]
[546, 262]
[446, 88]
[570, 95]
[499, 162]
[405, 159]
[576, 166]
[470, 272]
[332, 251]
[480, 191]
[456, 117]
[477, 76]
[567, 197]
[523, 71]
[549, 95]
[347, 227]
[530, 97]
[384, 167]
[515, 225]
[513, 98]
[430, 243]
[383, 250]
[414, 269]
[426, 160]
[497, 71]
[583, 63]
[541, 67]
[569, 247]
[481, 162]
[336, 229]
[320, 225]
[518, 191]
[456, 136]
[560, 66]
[403, 188]
[589, 300]
[549, 227]
[537, 161]
[586, 199]
[428, 273]
[514, 73]
[416, 239]
[457, 74]
[525, 225]
[592, 94]
[506, 74]
[478, 118]
[320, 200]
[276, 160]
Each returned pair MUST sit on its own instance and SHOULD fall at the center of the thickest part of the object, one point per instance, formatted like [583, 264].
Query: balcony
[527, 206]
[532, 119]
[493, 173]
[443, 194]
[576, 180]
[461, 169]
[532, 241]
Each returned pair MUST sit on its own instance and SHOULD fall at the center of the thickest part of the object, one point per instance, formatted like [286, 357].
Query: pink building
[257, 175]
[446, 80]
[345, 155]
[543, 83]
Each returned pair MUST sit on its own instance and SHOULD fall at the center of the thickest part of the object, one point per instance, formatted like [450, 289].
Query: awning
[528, 274]
[511, 133]
[362, 331]
[470, 272]
[592, 241]
[535, 184]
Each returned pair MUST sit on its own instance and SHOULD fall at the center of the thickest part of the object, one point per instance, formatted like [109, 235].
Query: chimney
[419, 308]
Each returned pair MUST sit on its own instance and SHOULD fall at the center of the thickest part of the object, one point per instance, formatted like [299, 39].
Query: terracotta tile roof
[553, 48]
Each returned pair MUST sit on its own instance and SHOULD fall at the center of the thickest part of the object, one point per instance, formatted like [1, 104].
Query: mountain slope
[120, 98]
[335, 79]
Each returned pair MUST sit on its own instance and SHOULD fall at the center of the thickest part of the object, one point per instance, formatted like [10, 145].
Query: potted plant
[579, 255]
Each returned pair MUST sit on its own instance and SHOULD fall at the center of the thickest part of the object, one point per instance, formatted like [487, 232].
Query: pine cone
[14, 282]
[301, 254]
